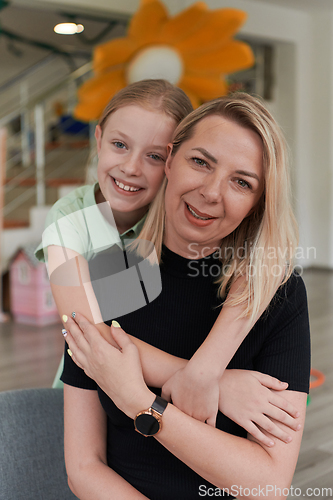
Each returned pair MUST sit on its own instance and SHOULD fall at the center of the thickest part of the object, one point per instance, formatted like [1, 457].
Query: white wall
[292, 32]
[13, 239]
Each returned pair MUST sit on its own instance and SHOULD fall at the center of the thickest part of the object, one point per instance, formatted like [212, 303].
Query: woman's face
[215, 180]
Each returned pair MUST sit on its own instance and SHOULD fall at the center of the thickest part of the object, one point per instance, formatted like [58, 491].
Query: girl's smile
[132, 150]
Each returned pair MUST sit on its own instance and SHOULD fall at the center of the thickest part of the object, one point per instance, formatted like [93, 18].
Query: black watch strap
[159, 405]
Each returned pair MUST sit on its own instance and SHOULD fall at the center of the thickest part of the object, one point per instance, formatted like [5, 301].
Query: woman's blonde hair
[158, 95]
[262, 247]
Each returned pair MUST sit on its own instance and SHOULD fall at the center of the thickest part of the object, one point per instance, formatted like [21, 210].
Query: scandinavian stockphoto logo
[116, 279]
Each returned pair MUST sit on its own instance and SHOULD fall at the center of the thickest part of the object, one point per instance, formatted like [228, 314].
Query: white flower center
[155, 62]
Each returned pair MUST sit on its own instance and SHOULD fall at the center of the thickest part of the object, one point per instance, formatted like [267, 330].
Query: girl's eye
[156, 157]
[200, 162]
[244, 184]
[119, 144]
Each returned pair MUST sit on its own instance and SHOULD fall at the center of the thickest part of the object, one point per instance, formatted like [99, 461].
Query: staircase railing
[26, 149]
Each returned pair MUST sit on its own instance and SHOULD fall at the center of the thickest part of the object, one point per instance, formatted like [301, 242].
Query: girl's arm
[89, 476]
[158, 366]
[223, 459]
[194, 389]
[253, 400]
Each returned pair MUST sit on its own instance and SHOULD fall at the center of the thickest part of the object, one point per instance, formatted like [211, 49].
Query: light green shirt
[76, 222]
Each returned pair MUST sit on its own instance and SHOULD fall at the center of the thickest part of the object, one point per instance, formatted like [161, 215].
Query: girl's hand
[252, 400]
[118, 372]
[194, 393]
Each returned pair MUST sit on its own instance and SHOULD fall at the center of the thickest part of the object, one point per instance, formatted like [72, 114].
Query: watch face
[147, 424]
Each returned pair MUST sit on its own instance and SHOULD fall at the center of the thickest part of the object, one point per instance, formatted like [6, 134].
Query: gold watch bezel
[152, 413]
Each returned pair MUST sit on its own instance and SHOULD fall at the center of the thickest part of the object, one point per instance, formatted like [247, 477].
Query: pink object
[30, 292]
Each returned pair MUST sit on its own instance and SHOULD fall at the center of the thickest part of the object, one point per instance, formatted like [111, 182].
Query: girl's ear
[98, 137]
[168, 160]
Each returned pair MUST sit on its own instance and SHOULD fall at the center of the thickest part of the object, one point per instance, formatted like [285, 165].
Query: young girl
[132, 138]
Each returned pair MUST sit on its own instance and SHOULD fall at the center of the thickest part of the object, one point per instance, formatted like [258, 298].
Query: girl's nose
[131, 166]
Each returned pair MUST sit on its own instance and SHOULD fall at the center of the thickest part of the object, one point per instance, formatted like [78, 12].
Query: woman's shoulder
[289, 305]
[293, 289]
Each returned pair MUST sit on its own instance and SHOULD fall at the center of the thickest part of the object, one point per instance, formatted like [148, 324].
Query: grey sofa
[32, 463]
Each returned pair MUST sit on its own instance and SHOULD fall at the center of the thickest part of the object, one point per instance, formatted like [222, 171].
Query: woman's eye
[119, 144]
[244, 184]
[200, 162]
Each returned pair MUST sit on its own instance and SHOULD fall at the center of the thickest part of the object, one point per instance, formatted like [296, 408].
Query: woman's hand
[118, 372]
[194, 393]
[252, 400]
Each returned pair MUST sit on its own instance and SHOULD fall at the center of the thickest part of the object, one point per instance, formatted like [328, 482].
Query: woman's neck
[189, 250]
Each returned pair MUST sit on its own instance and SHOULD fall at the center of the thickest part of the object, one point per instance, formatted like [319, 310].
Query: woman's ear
[98, 137]
[257, 206]
[250, 212]
[168, 160]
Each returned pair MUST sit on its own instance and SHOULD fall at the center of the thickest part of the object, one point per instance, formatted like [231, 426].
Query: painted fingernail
[73, 314]
[271, 443]
[65, 318]
[115, 324]
[64, 332]
[298, 428]
[69, 352]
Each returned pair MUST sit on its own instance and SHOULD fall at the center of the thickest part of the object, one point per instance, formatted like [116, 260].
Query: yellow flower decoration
[194, 50]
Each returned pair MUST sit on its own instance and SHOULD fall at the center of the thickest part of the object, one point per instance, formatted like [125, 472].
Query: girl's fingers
[284, 418]
[284, 405]
[252, 429]
[274, 430]
[271, 382]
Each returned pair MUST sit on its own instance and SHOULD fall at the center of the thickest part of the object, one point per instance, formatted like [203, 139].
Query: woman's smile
[196, 217]
[215, 180]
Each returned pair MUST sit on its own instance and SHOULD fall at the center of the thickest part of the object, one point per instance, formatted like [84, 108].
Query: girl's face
[132, 150]
[214, 181]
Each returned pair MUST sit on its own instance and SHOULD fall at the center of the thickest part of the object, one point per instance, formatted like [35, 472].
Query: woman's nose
[211, 190]
[131, 166]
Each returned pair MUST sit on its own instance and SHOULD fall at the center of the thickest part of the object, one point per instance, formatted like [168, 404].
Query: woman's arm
[85, 450]
[251, 399]
[158, 366]
[194, 389]
[227, 460]
[221, 458]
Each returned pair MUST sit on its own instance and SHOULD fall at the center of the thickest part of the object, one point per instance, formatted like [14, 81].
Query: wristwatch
[149, 422]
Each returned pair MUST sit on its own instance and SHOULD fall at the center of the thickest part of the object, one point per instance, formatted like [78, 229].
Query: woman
[227, 185]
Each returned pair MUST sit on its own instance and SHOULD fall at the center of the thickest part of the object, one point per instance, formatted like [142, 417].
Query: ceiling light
[68, 28]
